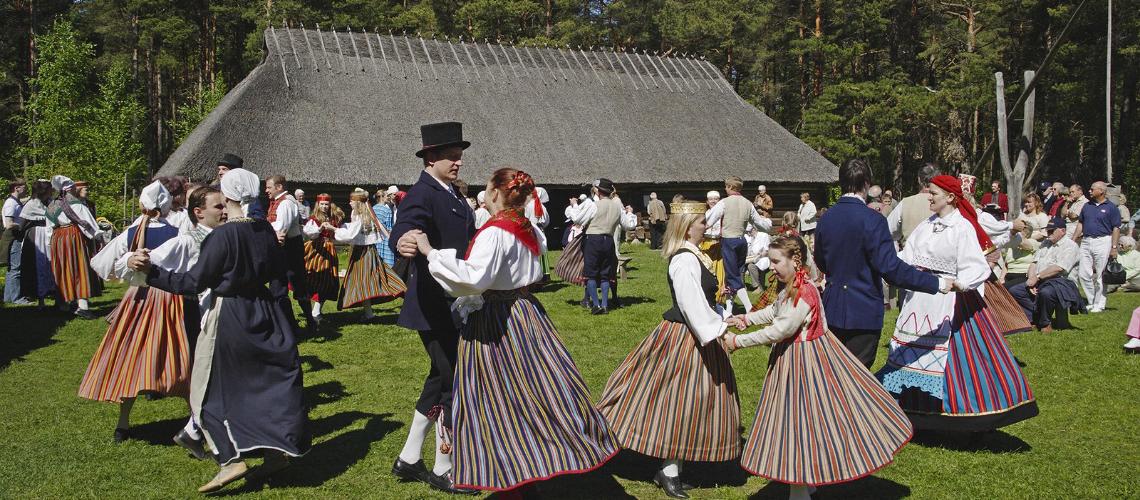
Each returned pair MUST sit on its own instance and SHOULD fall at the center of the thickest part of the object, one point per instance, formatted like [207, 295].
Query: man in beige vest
[657, 218]
[735, 214]
[599, 259]
[913, 209]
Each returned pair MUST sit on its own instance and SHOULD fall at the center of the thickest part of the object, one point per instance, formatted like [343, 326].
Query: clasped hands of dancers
[498, 366]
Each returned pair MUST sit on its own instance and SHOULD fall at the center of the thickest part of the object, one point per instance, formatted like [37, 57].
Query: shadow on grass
[314, 364]
[159, 433]
[38, 327]
[868, 487]
[637, 467]
[328, 392]
[993, 442]
[623, 301]
[551, 287]
[331, 458]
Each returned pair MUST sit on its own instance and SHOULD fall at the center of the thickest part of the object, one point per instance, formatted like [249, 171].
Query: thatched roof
[345, 108]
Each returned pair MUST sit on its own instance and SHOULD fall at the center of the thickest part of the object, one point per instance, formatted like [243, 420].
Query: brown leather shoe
[227, 475]
[1047, 329]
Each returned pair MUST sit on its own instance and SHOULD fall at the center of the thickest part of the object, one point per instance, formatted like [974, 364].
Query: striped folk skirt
[823, 418]
[522, 412]
[572, 262]
[368, 278]
[321, 269]
[675, 400]
[1008, 316]
[950, 368]
[144, 350]
[71, 264]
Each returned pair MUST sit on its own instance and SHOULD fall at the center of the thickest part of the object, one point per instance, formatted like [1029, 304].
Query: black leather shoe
[194, 446]
[122, 435]
[599, 310]
[410, 472]
[443, 483]
[670, 485]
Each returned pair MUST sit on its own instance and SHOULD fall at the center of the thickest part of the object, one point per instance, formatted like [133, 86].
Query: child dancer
[823, 418]
[368, 277]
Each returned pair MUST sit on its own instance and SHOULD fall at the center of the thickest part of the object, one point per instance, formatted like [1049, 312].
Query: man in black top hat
[433, 207]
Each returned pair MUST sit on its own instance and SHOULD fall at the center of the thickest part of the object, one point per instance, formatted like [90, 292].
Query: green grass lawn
[361, 381]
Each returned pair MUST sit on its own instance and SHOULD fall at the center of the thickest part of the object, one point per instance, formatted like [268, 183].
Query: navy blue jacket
[853, 248]
[448, 222]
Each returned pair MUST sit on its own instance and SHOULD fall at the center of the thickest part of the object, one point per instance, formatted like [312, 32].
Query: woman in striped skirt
[368, 278]
[321, 261]
[572, 261]
[73, 226]
[145, 349]
[521, 411]
[949, 365]
[674, 397]
[822, 418]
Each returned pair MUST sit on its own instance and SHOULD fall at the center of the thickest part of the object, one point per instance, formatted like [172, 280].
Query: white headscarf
[155, 197]
[712, 195]
[481, 197]
[62, 183]
[392, 190]
[542, 195]
[241, 185]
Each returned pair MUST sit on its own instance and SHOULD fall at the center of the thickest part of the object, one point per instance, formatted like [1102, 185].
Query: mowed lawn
[361, 381]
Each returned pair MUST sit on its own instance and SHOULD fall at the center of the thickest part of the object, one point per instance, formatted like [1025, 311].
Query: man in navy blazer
[433, 207]
[853, 249]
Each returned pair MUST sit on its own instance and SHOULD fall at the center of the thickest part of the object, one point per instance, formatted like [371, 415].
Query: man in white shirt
[735, 215]
[1048, 289]
[284, 215]
[12, 242]
[807, 216]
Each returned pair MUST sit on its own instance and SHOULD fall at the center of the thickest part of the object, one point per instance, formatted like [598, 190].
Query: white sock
[742, 294]
[672, 468]
[192, 429]
[417, 432]
[317, 309]
[442, 460]
[82, 304]
[798, 492]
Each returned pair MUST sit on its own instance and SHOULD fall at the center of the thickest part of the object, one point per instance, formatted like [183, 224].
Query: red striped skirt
[368, 278]
[673, 399]
[144, 350]
[823, 418]
[522, 412]
[1008, 316]
[321, 265]
[70, 263]
[572, 262]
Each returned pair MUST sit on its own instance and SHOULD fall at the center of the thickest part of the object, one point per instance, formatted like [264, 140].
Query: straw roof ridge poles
[280, 56]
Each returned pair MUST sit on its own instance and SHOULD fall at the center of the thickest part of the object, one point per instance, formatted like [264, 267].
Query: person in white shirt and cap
[481, 213]
[72, 227]
[146, 321]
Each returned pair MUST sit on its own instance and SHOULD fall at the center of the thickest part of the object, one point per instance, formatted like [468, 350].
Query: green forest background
[105, 90]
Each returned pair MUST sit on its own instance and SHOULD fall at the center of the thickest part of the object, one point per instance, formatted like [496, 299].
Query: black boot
[670, 485]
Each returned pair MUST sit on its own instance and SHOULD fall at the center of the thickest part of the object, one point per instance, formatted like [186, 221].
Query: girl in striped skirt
[145, 349]
[321, 261]
[73, 226]
[368, 277]
[949, 365]
[521, 411]
[674, 397]
[822, 418]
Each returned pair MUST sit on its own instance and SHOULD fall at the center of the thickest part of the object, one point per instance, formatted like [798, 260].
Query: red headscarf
[953, 186]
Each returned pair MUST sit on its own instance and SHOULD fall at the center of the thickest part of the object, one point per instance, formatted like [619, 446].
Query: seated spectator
[1047, 289]
[1029, 229]
[1129, 257]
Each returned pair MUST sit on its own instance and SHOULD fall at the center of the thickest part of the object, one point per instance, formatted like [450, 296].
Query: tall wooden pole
[1108, 99]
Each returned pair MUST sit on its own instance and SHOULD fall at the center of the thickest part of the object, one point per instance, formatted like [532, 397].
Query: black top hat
[441, 135]
[231, 160]
[604, 184]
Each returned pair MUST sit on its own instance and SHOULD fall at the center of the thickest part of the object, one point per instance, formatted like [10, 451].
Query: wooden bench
[623, 266]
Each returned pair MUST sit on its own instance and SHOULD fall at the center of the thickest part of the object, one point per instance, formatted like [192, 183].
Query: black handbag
[1113, 273]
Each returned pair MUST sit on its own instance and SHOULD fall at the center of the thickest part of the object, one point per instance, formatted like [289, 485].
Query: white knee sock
[742, 294]
[82, 304]
[671, 468]
[798, 492]
[417, 432]
[442, 460]
[192, 429]
[317, 309]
